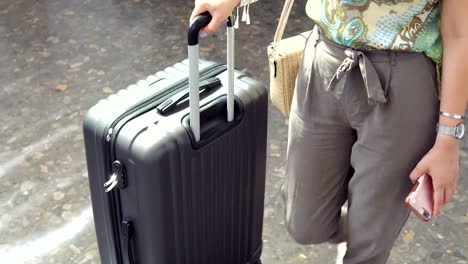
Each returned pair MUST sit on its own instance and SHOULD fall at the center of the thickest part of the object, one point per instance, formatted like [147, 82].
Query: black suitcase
[175, 192]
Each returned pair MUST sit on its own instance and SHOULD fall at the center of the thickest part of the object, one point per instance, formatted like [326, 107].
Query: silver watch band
[459, 117]
[456, 132]
[449, 131]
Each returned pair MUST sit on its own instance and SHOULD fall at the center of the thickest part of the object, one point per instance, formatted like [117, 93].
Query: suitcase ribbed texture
[213, 189]
[188, 206]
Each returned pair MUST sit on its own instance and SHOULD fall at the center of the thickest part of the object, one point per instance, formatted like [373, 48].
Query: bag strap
[283, 20]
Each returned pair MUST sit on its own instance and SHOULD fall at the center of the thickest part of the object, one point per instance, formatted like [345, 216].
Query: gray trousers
[359, 124]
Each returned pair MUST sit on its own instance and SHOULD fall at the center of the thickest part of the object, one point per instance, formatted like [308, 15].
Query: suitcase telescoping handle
[196, 25]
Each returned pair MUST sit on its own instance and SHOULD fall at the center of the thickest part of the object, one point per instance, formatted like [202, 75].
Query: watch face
[460, 130]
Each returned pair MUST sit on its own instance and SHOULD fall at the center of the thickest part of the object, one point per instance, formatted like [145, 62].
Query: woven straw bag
[284, 56]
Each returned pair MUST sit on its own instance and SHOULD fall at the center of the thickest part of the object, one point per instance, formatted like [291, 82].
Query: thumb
[198, 9]
[418, 171]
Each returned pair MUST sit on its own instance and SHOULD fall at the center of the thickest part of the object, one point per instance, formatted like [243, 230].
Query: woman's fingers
[448, 195]
[438, 200]
[220, 10]
[198, 9]
[215, 23]
[418, 171]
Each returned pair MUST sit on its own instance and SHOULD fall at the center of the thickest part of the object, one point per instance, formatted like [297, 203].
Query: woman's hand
[220, 10]
[442, 164]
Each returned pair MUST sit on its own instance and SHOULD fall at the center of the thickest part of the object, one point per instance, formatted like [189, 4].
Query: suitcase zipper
[117, 178]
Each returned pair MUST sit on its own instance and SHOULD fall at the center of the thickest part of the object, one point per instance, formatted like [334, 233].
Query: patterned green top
[404, 25]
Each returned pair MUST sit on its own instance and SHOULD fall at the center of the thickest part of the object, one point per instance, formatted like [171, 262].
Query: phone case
[420, 200]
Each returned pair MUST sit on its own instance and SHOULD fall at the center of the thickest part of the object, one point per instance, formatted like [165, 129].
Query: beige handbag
[284, 56]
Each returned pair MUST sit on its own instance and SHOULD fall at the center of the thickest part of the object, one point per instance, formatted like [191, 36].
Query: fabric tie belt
[375, 93]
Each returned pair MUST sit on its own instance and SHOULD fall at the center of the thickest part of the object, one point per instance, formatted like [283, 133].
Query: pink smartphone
[421, 198]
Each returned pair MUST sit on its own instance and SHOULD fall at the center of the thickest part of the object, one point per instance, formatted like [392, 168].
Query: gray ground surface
[59, 57]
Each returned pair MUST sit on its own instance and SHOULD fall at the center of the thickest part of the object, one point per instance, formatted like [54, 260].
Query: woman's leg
[392, 138]
[319, 149]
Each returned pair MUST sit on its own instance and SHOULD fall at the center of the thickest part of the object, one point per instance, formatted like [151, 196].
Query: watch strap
[456, 132]
[450, 131]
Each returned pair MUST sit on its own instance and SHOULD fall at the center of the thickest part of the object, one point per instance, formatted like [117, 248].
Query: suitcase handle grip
[195, 26]
[171, 103]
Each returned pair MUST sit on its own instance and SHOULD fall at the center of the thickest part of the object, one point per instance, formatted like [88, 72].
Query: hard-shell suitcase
[177, 184]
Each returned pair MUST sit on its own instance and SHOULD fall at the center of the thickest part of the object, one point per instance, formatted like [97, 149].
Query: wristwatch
[456, 132]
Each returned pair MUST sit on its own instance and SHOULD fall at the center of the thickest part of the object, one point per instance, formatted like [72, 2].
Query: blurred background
[59, 57]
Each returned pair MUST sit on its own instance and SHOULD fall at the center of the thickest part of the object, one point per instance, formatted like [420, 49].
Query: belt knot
[369, 75]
